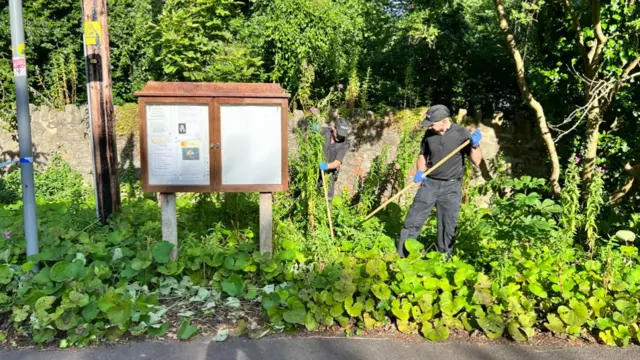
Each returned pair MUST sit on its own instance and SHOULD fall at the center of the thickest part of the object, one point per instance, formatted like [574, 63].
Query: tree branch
[528, 97]
[600, 91]
[575, 17]
[601, 39]
[625, 77]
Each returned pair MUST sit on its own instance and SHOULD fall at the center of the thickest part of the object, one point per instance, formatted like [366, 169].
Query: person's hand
[418, 178]
[324, 166]
[475, 138]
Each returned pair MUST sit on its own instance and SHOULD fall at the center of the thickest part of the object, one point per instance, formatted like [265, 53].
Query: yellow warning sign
[92, 33]
[20, 52]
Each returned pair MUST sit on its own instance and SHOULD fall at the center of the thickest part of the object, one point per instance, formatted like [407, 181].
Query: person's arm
[340, 156]
[475, 153]
[421, 164]
[334, 165]
[476, 156]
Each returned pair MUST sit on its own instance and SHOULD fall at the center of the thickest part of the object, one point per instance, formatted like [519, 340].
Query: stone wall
[66, 132]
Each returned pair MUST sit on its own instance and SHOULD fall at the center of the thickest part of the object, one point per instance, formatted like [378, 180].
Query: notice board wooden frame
[218, 186]
[214, 94]
[144, 164]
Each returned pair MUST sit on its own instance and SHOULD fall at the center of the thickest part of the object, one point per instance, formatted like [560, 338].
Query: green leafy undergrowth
[534, 291]
[514, 279]
[90, 283]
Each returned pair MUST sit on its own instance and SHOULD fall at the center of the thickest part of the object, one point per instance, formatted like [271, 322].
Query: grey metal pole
[24, 126]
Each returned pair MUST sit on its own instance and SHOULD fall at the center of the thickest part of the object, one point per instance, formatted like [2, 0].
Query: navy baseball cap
[434, 114]
[342, 127]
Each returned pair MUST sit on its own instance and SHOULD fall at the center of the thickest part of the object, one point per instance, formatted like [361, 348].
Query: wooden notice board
[206, 137]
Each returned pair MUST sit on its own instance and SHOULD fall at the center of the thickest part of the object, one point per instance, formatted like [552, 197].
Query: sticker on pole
[92, 33]
[20, 66]
[21, 52]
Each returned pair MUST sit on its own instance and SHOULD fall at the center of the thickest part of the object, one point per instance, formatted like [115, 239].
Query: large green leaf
[537, 290]
[492, 325]
[186, 330]
[67, 321]
[376, 267]
[295, 316]
[336, 310]
[515, 332]
[436, 332]
[310, 322]
[162, 252]
[406, 327]
[462, 274]
[401, 311]
[413, 246]
[6, 274]
[482, 297]
[381, 291]
[628, 312]
[604, 323]
[62, 271]
[233, 286]
[354, 309]
[142, 261]
[120, 314]
[574, 315]
[554, 324]
[431, 283]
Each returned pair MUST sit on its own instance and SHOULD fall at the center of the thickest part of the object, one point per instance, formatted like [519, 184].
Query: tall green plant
[593, 207]
[572, 217]
[192, 38]
[325, 34]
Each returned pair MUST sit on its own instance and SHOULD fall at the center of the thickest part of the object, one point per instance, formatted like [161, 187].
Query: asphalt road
[321, 349]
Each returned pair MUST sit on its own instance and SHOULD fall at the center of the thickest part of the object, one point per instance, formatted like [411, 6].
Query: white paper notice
[251, 144]
[177, 143]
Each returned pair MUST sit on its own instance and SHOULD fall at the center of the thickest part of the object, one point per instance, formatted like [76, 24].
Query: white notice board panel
[178, 144]
[251, 144]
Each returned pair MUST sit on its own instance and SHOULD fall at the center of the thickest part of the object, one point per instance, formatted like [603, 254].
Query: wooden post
[103, 144]
[266, 223]
[170, 221]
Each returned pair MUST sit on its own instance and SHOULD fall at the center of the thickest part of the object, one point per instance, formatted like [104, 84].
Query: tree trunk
[594, 119]
[529, 99]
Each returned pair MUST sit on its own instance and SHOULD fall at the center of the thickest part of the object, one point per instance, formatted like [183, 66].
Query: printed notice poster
[177, 144]
[190, 150]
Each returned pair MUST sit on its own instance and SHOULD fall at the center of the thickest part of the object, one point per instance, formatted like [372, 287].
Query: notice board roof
[203, 89]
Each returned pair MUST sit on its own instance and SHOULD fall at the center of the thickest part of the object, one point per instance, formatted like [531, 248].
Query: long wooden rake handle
[326, 198]
[414, 183]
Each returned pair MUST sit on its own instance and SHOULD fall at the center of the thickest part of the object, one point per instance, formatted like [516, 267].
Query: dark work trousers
[331, 177]
[446, 196]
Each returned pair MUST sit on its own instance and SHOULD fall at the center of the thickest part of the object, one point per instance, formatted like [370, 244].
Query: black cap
[436, 113]
[342, 127]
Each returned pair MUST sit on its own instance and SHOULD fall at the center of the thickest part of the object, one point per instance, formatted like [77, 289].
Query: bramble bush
[520, 267]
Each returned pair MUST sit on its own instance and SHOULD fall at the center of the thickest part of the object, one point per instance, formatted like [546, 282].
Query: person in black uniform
[335, 148]
[443, 187]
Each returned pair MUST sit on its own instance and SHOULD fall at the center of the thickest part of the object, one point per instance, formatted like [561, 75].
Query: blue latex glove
[475, 138]
[324, 166]
[315, 127]
[418, 178]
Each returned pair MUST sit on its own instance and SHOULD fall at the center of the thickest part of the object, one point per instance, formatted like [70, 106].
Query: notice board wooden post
[206, 137]
[170, 221]
[266, 223]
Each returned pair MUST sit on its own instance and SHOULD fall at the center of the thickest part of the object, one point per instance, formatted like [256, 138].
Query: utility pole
[24, 126]
[101, 119]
